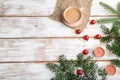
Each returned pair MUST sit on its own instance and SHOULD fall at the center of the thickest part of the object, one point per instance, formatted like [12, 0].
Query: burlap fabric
[61, 5]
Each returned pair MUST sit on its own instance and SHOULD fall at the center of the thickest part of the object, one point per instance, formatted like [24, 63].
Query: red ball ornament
[85, 52]
[98, 36]
[86, 37]
[79, 72]
[92, 22]
[78, 31]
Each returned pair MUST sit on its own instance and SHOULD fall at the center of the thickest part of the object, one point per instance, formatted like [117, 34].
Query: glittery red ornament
[78, 31]
[85, 52]
[98, 36]
[92, 22]
[86, 37]
[79, 72]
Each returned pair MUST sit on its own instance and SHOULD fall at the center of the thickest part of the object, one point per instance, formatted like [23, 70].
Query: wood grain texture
[47, 49]
[30, 39]
[18, 27]
[31, 71]
[43, 7]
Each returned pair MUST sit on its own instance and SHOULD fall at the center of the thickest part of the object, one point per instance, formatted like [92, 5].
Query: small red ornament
[78, 31]
[86, 37]
[85, 52]
[92, 22]
[98, 36]
[79, 72]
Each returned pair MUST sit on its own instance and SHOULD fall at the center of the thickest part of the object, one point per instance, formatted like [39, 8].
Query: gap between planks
[44, 37]
[44, 61]
[51, 15]
[79, 37]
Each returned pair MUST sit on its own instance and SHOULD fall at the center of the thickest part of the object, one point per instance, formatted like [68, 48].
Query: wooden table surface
[29, 39]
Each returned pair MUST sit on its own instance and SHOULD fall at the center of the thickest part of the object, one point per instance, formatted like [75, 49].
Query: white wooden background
[29, 39]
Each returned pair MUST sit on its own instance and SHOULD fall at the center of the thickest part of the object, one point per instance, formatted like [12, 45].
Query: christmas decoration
[92, 22]
[110, 9]
[112, 37]
[79, 72]
[85, 52]
[99, 52]
[98, 36]
[86, 37]
[78, 31]
[65, 70]
[111, 70]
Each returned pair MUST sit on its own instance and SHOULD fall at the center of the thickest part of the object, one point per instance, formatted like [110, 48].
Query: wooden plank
[21, 71]
[44, 7]
[32, 71]
[27, 7]
[48, 49]
[18, 27]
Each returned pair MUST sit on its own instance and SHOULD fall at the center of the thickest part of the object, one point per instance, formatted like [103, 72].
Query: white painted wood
[47, 49]
[23, 50]
[32, 71]
[22, 71]
[27, 7]
[44, 7]
[11, 27]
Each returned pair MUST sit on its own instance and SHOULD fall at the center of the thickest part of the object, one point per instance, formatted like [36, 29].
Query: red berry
[78, 31]
[86, 37]
[85, 52]
[98, 36]
[92, 22]
[79, 72]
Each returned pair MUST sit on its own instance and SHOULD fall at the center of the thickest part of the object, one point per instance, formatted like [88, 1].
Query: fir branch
[106, 39]
[102, 73]
[116, 62]
[105, 30]
[112, 38]
[65, 70]
[108, 20]
[118, 8]
[108, 7]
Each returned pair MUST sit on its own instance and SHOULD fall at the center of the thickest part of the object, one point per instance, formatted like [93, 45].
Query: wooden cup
[72, 16]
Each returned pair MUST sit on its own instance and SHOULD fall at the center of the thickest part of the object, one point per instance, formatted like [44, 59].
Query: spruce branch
[102, 73]
[108, 7]
[118, 8]
[65, 70]
[108, 20]
[116, 62]
[112, 38]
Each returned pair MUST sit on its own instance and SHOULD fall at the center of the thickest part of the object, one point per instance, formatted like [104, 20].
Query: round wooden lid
[99, 52]
[111, 70]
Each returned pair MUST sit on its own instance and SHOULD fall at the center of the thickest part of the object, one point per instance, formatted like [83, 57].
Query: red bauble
[79, 72]
[86, 37]
[98, 36]
[78, 31]
[85, 52]
[92, 22]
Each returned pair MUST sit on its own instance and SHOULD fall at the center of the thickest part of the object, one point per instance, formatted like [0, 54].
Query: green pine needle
[116, 62]
[108, 20]
[66, 69]
[108, 7]
[112, 38]
[118, 8]
[102, 73]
